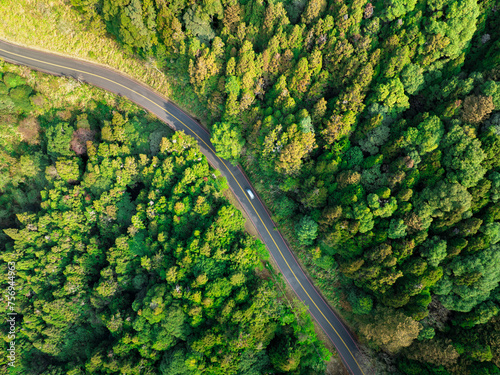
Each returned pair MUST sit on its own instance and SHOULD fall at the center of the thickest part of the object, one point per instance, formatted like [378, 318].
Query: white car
[250, 194]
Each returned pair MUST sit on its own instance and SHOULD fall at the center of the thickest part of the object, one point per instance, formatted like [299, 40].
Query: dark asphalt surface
[168, 112]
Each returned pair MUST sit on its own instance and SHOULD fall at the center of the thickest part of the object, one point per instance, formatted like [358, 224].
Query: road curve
[177, 119]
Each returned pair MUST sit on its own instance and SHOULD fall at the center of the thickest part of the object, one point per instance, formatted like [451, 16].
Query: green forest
[129, 259]
[371, 129]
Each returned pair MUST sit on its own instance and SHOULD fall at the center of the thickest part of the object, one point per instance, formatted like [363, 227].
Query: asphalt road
[177, 119]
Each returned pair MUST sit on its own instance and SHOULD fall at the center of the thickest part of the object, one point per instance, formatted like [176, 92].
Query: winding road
[168, 112]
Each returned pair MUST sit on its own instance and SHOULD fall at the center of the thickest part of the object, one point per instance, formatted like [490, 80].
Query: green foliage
[427, 333]
[444, 202]
[374, 139]
[481, 314]
[434, 249]
[397, 229]
[6, 104]
[469, 279]
[307, 230]
[365, 217]
[391, 95]
[353, 157]
[450, 34]
[227, 141]
[174, 363]
[361, 303]
[20, 95]
[13, 80]
[492, 88]
[68, 169]
[134, 23]
[397, 8]
[430, 132]
[198, 24]
[412, 79]
[386, 208]
[464, 157]
[58, 139]
[492, 231]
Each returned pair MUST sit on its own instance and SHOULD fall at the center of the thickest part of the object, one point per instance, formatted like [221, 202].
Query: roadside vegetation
[371, 129]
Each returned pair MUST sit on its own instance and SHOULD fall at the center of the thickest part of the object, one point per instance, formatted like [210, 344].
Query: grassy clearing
[56, 27]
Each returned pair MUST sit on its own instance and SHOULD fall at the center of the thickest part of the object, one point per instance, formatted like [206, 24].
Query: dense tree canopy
[129, 259]
[371, 130]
